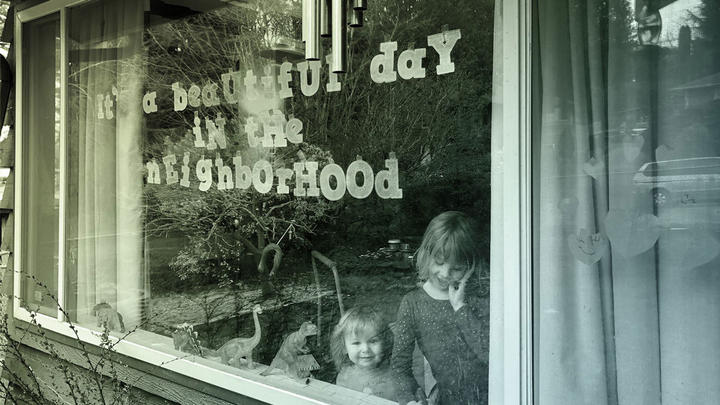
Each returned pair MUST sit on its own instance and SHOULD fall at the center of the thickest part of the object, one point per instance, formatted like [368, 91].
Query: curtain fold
[108, 158]
[567, 209]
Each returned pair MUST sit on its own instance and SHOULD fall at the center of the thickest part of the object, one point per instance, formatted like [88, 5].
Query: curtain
[627, 279]
[106, 159]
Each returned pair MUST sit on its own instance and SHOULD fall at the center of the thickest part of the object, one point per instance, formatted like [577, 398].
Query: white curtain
[107, 62]
[627, 277]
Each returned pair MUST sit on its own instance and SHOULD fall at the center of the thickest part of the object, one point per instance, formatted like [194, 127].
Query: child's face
[364, 348]
[444, 273]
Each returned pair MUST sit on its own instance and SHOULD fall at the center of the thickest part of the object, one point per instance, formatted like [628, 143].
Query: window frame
[511, 356]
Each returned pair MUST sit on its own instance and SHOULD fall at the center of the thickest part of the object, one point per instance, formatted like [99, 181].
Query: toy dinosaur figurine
[108, 317]
[185, 339]
[234, 349]
[292, 358]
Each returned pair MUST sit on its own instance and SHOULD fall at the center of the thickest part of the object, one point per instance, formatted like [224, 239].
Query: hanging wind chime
[329, 18]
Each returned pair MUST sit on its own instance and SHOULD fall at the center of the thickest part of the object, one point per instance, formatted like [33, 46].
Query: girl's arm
[403, 347]
[474, 327]
[469, 319]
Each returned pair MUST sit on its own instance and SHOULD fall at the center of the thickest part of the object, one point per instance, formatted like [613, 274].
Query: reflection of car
[682, 180]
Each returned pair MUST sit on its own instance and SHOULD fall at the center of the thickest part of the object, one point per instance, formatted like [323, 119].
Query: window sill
[155, 354]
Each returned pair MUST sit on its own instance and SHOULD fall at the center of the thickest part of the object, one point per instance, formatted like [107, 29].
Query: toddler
[444, 320]
[361, 344]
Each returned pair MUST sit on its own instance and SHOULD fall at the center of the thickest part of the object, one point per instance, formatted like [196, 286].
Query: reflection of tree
[708, 25]
[689, 80]
[225, 230]
[437, 126]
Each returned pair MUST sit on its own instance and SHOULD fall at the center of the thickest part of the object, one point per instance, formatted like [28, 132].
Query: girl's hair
[355, 320]
[451, 236]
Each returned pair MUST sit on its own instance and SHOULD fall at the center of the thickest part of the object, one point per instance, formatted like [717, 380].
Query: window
[626, 203]
[217, 199]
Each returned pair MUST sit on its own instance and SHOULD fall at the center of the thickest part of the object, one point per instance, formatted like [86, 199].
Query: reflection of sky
[674, 16]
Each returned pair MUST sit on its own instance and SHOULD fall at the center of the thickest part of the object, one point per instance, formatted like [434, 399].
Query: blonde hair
[451, 236]
[359, 319]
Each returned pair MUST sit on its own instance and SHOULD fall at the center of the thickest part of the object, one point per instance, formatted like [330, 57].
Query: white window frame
[510, 380]
[511, 332]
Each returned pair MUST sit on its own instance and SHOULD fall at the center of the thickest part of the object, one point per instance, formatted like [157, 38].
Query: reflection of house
[700, 92]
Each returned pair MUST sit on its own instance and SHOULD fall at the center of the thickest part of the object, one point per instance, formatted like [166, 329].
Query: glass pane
[41, 164]
[228, 201]
[627, 202]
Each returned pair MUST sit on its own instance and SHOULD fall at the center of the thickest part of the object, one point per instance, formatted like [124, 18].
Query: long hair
[451, 236]
[358, 319]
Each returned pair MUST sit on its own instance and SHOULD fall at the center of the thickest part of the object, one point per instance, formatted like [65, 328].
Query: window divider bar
[514, 249]
[63, 165]
[526, 206]
[17, 204]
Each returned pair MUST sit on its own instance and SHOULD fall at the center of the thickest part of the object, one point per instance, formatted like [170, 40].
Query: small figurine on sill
[235, 349]
[185, 339]
[293, 358]
[109, 318]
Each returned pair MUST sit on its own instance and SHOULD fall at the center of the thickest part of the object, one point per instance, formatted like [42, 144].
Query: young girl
[444, 318]
[361, 344]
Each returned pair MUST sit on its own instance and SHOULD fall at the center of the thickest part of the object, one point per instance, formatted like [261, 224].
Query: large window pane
[626, 202]
[228, 202]
[41, 164]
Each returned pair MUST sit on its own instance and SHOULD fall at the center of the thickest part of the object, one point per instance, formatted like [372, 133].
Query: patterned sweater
[454, 344]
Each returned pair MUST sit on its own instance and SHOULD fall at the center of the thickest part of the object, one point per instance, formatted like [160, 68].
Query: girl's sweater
[454, 344]
[377, 381]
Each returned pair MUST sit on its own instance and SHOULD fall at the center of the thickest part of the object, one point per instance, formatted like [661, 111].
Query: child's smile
[364, 348]
[444, 273]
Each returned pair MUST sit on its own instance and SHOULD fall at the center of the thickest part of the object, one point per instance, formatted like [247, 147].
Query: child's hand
[457, 293]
